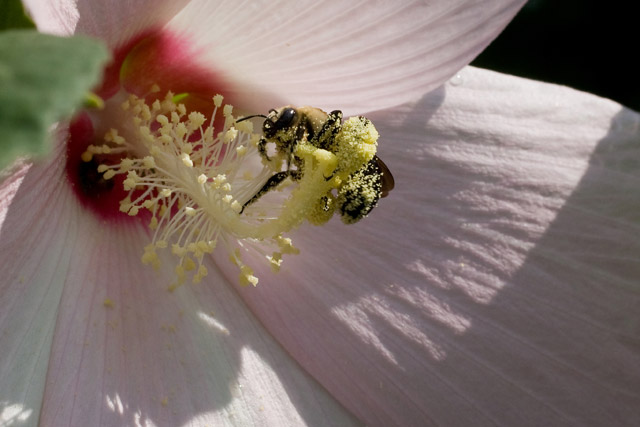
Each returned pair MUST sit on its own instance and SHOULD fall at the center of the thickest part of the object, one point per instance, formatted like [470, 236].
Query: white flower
[497, 284]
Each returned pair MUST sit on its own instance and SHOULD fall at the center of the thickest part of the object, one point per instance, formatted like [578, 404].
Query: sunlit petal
[498, 283]
[357, 57]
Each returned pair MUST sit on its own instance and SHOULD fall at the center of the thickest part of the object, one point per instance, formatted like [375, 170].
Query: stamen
[194, 180]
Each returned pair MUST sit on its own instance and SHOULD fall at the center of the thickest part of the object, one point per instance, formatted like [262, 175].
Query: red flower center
[153, 58]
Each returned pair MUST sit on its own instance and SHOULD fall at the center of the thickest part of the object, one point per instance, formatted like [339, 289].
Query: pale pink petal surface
[28, 312]
[357, 56]
[92, 337]
[112, 21]
[497, 284]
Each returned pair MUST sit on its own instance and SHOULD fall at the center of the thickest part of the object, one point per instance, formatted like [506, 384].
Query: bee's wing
[387, 178]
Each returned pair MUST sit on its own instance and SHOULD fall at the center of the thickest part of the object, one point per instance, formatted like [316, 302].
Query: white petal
[28, 313]
[499, 283]
[90, 336]
[112, 21]
[357, 56]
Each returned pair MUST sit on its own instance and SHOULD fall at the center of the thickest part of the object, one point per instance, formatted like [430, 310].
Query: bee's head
[278, 120]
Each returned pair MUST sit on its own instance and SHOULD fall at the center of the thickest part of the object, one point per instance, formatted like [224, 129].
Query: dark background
[586, 44]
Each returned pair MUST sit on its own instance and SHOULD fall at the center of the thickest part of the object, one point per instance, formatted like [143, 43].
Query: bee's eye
[283, 121]
[285, 118]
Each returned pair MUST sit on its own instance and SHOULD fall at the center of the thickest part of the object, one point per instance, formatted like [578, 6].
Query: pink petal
[112, 21]
[497, 284]
[28, 313]
[165, 60]
[358, 56]
[90, 336]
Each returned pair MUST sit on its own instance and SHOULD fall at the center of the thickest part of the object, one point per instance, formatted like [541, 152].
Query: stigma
[207, 183]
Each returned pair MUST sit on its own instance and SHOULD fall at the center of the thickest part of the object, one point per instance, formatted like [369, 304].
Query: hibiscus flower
[497, 284]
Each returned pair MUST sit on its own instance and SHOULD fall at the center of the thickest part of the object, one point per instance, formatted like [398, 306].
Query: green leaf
[13, 15]
[42, 79]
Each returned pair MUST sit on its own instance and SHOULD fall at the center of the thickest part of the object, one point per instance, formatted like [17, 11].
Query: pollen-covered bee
[288, 126]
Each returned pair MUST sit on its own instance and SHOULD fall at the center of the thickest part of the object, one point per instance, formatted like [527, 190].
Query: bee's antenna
[250, 117]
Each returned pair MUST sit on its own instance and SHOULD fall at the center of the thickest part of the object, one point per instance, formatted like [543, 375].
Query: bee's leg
[302, 126]
[329, 130]
[271, 183]
[262, 149]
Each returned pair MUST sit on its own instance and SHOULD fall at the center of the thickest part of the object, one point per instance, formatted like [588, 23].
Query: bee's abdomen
[360, 194]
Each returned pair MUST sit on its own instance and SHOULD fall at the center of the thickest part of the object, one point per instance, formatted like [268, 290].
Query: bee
[287, 126]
